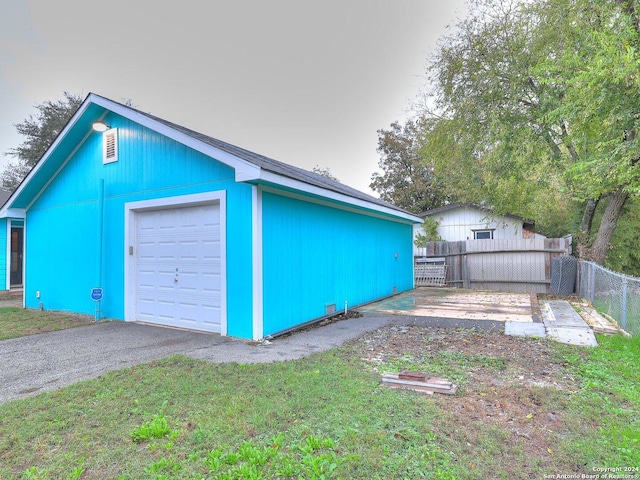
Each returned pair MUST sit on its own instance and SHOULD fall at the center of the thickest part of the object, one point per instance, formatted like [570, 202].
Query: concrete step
[525, 329]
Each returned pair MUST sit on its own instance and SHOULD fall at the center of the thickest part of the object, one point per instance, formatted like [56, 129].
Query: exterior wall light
[100, 126]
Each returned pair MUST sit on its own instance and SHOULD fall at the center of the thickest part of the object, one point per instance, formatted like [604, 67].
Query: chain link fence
[614, 294]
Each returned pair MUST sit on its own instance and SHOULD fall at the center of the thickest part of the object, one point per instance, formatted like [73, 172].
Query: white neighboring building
[463, 221]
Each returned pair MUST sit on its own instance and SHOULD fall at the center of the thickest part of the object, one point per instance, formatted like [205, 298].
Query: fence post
[623, 314]
[465, 273]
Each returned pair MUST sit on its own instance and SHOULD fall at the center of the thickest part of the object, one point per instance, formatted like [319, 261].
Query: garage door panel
[212, 282]
[179, 267]
[156, 279]
[212, 316]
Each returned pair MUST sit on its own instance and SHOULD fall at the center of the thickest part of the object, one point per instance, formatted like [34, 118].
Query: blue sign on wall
[96, 294]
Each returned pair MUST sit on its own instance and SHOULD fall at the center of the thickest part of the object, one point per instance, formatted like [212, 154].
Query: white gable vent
[110, 146]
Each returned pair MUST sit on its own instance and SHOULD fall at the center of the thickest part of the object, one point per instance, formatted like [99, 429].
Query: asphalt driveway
[48, 361]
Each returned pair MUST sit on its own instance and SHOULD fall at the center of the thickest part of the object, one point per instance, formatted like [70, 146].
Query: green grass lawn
[325, 416]
[18, 322]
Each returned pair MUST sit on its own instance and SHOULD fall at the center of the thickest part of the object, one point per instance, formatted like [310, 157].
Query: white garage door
[178, 267]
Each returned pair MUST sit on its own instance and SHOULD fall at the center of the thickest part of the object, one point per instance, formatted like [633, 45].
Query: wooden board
[426, 385]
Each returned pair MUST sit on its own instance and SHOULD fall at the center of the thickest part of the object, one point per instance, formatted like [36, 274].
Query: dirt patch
[512, 383]
[11, 295]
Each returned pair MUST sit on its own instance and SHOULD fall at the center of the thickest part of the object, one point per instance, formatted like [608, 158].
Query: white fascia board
[244, 170]
[13, 213]
[274, 178]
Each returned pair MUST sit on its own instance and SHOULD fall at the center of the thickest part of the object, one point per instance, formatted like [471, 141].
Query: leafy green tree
[407, 178]
[429, 233]
[535, 107]
[40, 131]
[598, 73]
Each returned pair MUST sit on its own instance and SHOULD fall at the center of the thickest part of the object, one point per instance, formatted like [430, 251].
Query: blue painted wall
[62, 240]
[315, 256]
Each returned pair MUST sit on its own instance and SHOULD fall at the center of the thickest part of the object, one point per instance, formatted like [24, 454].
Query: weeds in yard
[77, 472]
[35, 473]
[311, 457]
[158, 427]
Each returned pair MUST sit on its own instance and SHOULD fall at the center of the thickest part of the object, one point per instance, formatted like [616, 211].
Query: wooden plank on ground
[419, 381]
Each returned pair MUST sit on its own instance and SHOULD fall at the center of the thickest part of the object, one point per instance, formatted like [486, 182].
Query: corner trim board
[8, 256]
[257, 280]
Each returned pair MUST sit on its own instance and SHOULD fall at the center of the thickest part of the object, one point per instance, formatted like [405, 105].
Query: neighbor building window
[483, 234]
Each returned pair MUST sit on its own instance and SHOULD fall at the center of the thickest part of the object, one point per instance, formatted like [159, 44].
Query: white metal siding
[460, 223]
[178, 267]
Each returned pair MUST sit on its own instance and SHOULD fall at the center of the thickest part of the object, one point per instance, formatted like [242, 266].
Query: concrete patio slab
[456, 303]
[512, 312]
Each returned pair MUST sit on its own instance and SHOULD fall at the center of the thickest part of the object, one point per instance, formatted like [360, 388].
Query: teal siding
[62, 251]
[3, 253]
[315, 256]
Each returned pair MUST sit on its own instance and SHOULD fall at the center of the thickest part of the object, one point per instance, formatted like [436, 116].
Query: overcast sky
[306, 83]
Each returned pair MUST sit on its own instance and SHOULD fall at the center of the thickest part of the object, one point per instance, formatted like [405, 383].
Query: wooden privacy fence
[519, 265]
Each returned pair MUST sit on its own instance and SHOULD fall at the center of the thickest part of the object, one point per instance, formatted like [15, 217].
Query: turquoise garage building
[183, 230]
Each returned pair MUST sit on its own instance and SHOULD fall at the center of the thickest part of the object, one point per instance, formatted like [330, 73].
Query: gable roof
[277, 167]
[529, 224]
[250, 167]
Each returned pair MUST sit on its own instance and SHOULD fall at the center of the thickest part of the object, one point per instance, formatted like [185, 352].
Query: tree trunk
[587, 217]
[598, 251]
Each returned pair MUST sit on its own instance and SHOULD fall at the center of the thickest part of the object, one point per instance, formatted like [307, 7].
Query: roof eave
[453, 206]
[269, 178]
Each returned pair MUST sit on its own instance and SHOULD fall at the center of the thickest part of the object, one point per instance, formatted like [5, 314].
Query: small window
[110, 146]
[483, 234]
